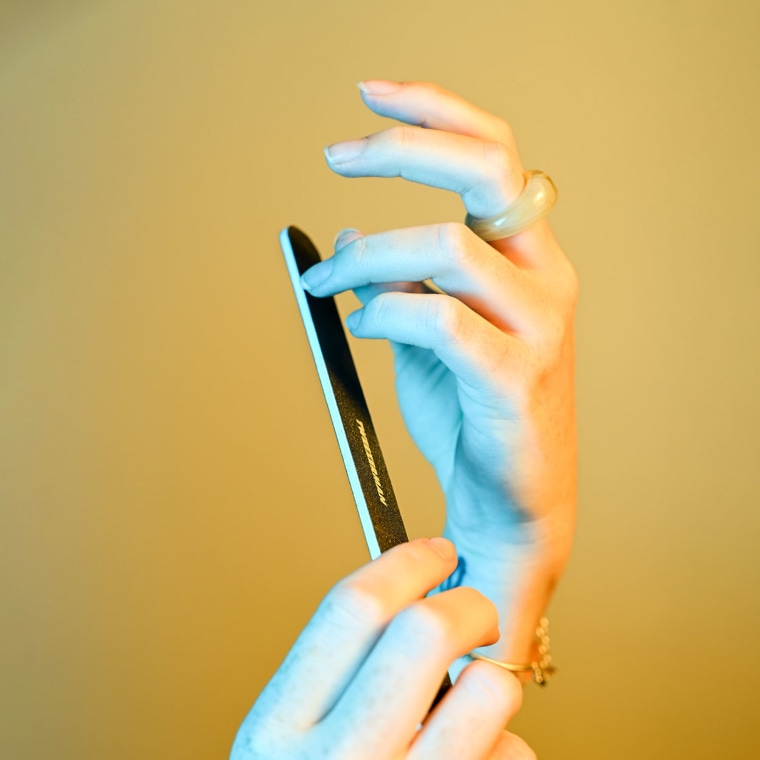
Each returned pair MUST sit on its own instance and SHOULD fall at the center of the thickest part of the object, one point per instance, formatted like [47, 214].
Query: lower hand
[360, 679]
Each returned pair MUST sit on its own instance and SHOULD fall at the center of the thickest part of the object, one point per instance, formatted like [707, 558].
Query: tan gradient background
[172, 502]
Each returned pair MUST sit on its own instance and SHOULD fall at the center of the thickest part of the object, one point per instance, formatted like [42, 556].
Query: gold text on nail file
[371, 461]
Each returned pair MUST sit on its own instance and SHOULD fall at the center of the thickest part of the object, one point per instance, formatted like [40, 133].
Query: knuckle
[357, 251]
[506, 174]
[455, 240]
[402, 135]
[351, 603]
[499, 691]
[377, 309]
[501, 158]
[424, 626]
[504, 130]
[446, 318]
[511, 363]
[553, 332]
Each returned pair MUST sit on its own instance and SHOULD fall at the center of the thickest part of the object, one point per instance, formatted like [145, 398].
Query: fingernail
[345, 236]
[354, 319]
[317, 275]
[442, 547]
[345, 151]
[378, 87]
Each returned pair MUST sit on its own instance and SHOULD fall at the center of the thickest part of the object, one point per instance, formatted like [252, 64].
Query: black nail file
[378, 511]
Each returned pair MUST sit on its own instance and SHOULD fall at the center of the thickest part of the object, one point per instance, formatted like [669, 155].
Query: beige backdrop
[172, 502]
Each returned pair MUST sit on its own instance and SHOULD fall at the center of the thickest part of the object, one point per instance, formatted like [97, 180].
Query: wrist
[518, 575]
[512, 554]
[492, 533]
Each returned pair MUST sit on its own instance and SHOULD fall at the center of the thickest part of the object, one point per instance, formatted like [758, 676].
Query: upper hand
[484, 361]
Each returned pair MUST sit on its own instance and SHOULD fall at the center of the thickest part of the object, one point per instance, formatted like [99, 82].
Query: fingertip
[317, 275]
[444, 548]
[345, 151]
[511, 747]
[497, 686]
[494, 634]
[353, 320]
[379, 86]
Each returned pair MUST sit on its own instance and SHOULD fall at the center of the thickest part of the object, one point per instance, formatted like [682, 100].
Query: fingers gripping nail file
[378, 511]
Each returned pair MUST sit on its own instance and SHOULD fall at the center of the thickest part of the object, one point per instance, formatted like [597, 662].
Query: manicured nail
[378, 87]
[442, 547]
[317, 275]
[353, 319]
[344, 237]
[345, 151]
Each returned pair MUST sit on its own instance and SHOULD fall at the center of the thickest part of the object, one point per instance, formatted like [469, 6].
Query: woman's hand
[361, 677]
[484, 359]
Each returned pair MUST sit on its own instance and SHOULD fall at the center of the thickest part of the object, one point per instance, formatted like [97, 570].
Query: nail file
[378, 510]
[376, 503]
